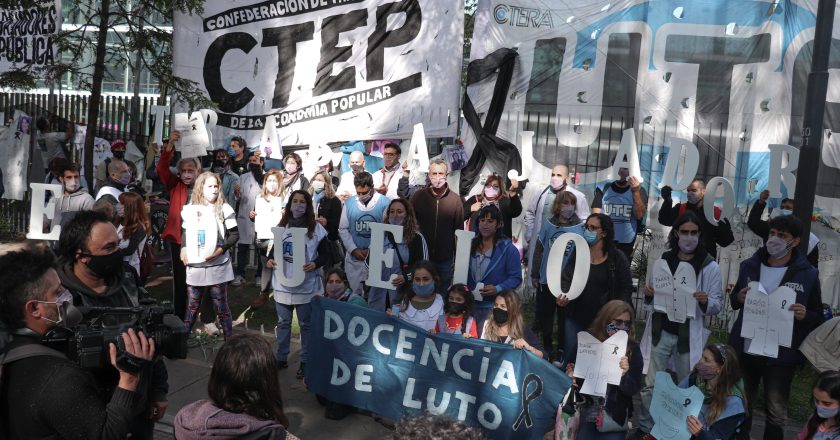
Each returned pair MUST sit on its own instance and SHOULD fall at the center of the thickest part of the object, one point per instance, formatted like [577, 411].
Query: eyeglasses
[592, 228]
[622, 323]
[390, 154]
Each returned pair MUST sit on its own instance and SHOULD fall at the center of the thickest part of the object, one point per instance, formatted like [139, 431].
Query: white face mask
[272, 187]
[777, 247]
[317, 186]
[211, 193]
[71, 185]
[291, 167]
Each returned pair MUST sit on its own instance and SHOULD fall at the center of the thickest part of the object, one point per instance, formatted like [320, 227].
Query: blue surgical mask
[825, 412]
[591, 237]
[785, 212]
[424, 290]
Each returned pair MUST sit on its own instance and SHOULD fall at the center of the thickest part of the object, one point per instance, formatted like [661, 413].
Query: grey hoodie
[203, 419]
[78, 201]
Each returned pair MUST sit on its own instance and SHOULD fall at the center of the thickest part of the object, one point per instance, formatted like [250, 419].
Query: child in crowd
[458, 318]
[718, 375]
[212, 275]
[337, 287]
[289, 296]
[422, 306]
[824, 424]
[507, 325]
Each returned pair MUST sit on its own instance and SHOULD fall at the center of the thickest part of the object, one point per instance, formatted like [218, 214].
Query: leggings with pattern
[218, 293]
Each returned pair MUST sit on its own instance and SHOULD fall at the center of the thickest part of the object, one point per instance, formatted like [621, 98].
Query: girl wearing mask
[606, 417]
[493, 193]
[298, 214]
[411, 250]
[824, 424]
[337, 287]
[245, 398]
[563, 219]
[668, 340]
[134, 227]
[327, 210]
[609, 278]
[269, 201]
[212, 275]
[506, 325]
[293, 178]
[495, 263]
[718, 375]
[458, 308]
[422, 306]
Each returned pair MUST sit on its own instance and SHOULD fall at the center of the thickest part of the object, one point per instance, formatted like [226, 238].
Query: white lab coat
[534, 216]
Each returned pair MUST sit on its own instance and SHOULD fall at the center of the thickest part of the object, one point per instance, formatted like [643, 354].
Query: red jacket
[178, 196]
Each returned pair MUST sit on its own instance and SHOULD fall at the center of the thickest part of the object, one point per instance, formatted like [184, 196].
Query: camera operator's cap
[118, 144]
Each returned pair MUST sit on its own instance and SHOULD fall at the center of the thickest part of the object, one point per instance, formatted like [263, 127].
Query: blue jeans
[659, 356]
[444, 268]
[284, 329]
[572, 328]
[242, 253]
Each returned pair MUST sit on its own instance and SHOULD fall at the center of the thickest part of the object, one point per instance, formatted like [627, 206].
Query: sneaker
[211, 329]
[237, 280]
[300, 372]
[258, 280]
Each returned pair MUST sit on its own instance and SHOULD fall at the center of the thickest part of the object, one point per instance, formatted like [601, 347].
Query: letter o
[359, 339]
[493, 409]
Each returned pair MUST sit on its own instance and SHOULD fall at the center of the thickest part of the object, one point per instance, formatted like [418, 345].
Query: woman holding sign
[422, 306]
[411, 250]
[293, 292]
[268, 208]
[493, 193]
[718, 375]
[210, 231]
[495, 263]
[507, 325]
[605, 416]
[685, 287]
[609, 278]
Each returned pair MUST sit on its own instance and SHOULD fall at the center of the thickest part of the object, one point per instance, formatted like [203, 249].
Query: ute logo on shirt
[362, 225]
[288, 250]
[618, 210]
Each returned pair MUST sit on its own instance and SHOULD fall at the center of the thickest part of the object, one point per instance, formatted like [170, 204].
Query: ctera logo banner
[522, 17]
[327, 70]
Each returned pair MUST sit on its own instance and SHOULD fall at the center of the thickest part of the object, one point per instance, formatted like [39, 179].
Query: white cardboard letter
[160, 112]
[782, 174]
[202, 229]
[527, 138]
[38, 209]
[269, 141]
[711, 195]
[462, 255]
[555, 259]
[692, 162]
[418, 152]
[297, 256]
[378, 255]
[627, 156]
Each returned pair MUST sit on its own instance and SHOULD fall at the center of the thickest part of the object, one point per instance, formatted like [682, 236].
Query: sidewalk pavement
[188, 383]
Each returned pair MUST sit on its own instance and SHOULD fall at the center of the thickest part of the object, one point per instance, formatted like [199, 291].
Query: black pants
[547, 309]
[179, 289]
[777, 380]
[627, 249]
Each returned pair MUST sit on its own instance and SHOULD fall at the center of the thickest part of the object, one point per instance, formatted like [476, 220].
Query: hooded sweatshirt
[203, 419]
[80, 200]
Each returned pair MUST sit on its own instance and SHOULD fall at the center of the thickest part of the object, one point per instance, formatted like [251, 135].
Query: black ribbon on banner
[503, 155]
[525, 415]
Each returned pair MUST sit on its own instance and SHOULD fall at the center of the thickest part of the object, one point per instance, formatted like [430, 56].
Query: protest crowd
[228, 203]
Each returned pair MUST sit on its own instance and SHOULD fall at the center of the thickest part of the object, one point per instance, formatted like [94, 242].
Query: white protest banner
[26, 35]
[597, 363]
[268, 216]
[555, 260]
[14, 155]
[463, 239]
[674, 293]
[670, 407]
[378, 256]
[356, 69]
[767, 322]
[269, 141]
[289, 255]
[39, 209]
[202, 229]
[194, 138]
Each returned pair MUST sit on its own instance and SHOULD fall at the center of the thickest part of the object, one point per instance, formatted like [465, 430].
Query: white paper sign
[598, 362]
[297, 256]
[268, 216]
[378, 256]
[269, 141]
[767, 322]
[195, 140]
[555, 260]
[38, 209]
[202, 231]
[674, 294]
[671, 405]
[463, 239]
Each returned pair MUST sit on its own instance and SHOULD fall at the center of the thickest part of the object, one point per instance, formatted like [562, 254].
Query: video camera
[88, 344]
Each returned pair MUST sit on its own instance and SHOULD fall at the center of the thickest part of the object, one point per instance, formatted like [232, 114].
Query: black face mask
[500, 316]
[220, 163]
[119, 155]
[106, 266]
[255, 168]
[454, 308]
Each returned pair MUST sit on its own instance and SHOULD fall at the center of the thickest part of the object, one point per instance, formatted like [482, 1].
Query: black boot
[300, 371]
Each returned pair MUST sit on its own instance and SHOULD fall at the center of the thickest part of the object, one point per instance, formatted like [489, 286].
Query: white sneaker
[237, 280]
[211, 329]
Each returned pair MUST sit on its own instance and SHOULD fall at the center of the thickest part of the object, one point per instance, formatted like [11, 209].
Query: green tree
[116, 33]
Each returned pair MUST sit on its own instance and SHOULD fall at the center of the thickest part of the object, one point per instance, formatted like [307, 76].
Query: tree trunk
[96, 91]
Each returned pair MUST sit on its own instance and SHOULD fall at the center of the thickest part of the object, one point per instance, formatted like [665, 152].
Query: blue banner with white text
[369, 360]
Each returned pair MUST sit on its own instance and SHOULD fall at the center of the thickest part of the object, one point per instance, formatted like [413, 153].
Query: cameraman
[48, 396]
[91, 268]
